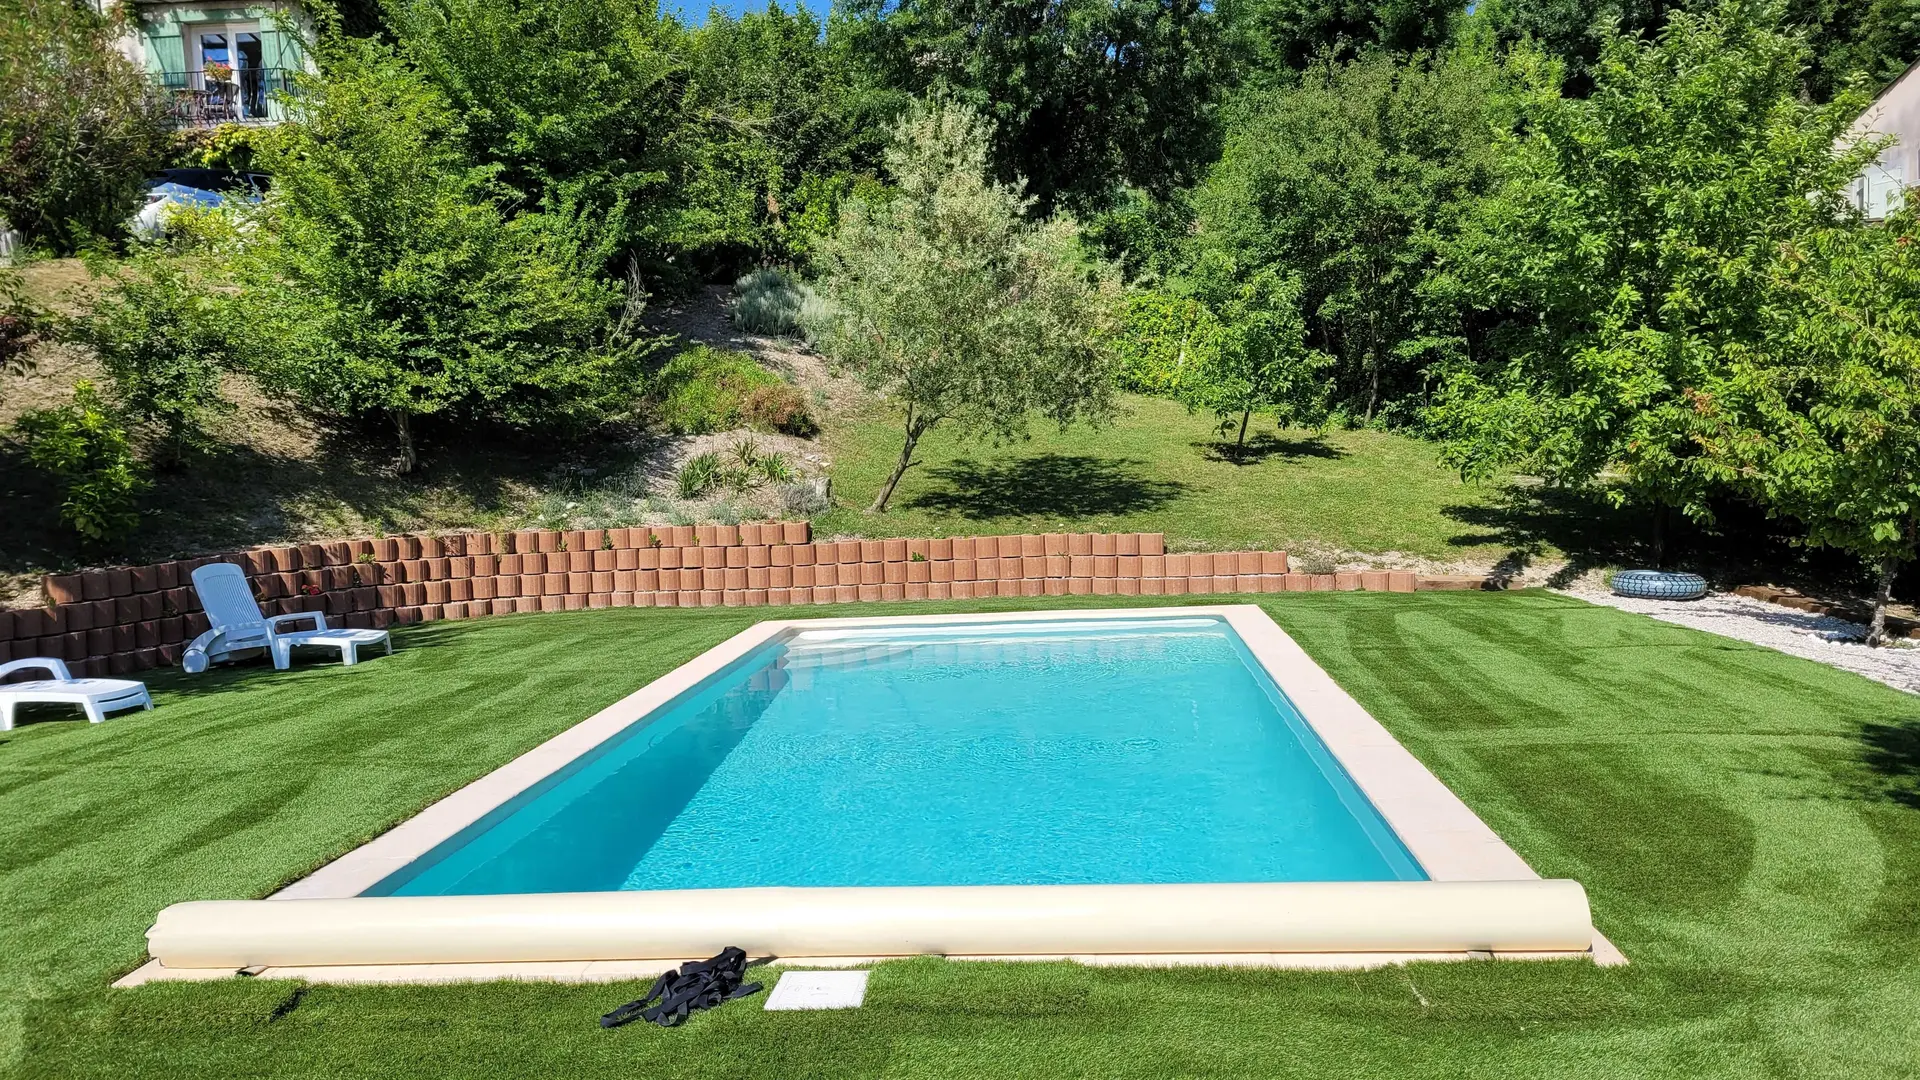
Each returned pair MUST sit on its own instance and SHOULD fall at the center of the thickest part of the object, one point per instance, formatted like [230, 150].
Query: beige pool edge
[1451, 843]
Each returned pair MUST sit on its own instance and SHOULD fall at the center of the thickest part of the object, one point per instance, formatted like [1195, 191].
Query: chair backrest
[229, 602]
[52, 666]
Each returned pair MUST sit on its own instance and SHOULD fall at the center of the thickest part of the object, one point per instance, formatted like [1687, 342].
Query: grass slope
[1160, 469]
[1747, 824]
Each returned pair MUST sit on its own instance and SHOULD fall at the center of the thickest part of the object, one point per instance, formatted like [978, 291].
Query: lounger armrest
[47, 663]
[319, 620]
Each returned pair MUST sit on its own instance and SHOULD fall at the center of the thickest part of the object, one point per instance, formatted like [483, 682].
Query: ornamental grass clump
[771, 302]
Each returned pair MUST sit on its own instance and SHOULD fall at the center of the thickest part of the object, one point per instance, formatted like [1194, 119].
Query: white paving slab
[818, 990]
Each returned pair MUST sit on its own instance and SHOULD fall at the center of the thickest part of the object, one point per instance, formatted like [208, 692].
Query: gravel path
[1797, 633]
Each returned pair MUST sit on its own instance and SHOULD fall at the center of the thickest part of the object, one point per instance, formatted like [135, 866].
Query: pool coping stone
[1443, 834]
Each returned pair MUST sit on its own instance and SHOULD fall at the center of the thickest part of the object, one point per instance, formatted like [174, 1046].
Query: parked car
[251, 184]
[192, 187]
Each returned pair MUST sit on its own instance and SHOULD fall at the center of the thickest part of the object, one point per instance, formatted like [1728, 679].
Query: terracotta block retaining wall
[122, 620]
[1856, 612]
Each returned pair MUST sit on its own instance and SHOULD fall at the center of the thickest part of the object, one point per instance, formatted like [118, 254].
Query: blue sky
[694, 12]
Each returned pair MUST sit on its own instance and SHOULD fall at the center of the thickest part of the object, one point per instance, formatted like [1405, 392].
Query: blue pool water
[1150, 750]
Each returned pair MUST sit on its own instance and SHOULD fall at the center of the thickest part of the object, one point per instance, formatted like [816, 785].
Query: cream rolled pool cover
[974, 920]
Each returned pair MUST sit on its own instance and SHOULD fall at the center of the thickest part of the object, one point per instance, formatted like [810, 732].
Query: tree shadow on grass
[1741, 546]
[1893, 750]
[1263, 445]
[1529, 519]
[1059, 485]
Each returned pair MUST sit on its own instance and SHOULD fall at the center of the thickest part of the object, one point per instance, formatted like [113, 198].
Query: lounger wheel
[1658, 585]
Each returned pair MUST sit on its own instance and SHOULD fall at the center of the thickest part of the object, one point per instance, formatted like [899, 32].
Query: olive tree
[943, 297]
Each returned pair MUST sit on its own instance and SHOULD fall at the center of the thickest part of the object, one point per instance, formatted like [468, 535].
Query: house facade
[222, 62]
[1895, 112]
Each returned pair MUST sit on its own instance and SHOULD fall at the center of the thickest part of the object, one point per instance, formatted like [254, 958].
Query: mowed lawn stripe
[1746, 824]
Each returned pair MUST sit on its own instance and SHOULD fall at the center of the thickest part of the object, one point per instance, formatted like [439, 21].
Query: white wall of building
[1895, 112]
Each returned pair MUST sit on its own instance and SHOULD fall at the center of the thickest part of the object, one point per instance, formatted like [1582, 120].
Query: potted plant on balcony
[218, 72]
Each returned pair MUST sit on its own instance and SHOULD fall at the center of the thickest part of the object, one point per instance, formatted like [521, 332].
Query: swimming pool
[1170, 785]
[1069, 752]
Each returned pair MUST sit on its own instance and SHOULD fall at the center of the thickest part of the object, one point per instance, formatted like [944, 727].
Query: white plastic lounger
[97, 696]
[237, 625]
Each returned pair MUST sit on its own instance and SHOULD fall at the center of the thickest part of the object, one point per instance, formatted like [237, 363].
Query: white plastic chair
[97, 696]
[236, 625]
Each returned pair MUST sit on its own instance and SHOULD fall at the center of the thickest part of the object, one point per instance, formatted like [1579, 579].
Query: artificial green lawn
[1747, 825]
[1160, 469]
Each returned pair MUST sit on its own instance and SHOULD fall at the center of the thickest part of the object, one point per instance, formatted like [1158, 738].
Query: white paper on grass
[819, 990]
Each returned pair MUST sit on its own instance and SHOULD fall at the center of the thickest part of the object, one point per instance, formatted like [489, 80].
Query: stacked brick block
[118, 621]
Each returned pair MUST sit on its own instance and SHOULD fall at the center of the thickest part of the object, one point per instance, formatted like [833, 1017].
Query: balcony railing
[242, 96]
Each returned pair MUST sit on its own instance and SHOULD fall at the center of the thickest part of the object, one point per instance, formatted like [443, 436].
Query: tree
[949, 302]
[80, 125]
[1279, 37]
[160, 332]
[1260, 362]
[1085, 95]
[1572, 31]
[1355, 179]
[388, 282]
[1873, 39]
[783, 124]
[1161, 340]
[575, 102]
[1822, 423]
[1625, 259]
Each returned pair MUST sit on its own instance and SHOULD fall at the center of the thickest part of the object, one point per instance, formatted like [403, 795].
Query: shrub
[228, 146]
[1314, 562]
[771, 302]
[699, 475]
[80, 125]
[19, 328]
[1162, 340]
[746, 452]
[780, 408]
[162, 337]
[84, 445]
[16, 338]
[703, 390]
[803, 498]
[773, 468]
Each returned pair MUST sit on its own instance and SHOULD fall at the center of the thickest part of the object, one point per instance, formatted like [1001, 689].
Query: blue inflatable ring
[1658, 585]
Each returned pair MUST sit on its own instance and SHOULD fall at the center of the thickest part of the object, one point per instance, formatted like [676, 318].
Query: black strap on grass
[698, 984]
